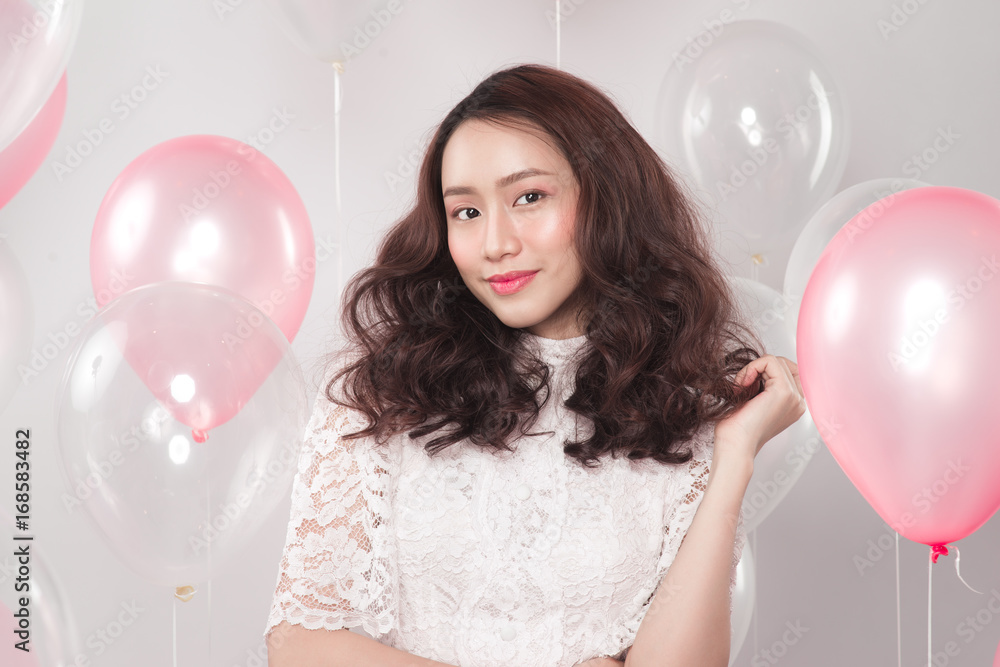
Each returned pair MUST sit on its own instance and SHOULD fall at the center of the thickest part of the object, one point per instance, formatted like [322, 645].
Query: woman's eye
[538, 196]
[458, 214]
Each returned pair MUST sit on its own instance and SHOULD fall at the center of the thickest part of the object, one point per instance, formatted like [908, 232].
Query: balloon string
[754, 536]
[175, 631]
[210, 580]
[929, 576]
[756, 261]
[957, 557]
[941, 550]
[899, 636]
[338, 69]
[558, 40]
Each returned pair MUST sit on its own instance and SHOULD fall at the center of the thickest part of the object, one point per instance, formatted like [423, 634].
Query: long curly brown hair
[665, 334]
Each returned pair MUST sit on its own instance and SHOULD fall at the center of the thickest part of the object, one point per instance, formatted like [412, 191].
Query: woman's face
[510, 199]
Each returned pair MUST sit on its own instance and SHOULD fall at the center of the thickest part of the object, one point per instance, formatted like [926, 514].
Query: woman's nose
[500, 234]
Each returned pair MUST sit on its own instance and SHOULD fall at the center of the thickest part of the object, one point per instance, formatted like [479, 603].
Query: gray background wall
[227, 75]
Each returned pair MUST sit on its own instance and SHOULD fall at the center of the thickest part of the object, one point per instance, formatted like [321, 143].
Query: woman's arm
[294, 646]
[687, 623]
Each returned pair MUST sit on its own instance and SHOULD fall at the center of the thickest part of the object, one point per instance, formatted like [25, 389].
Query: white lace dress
[484, 559]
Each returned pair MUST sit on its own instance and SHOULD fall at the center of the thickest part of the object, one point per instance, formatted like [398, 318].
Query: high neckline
[553, 350]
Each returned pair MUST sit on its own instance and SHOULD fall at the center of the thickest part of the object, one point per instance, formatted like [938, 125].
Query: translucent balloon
[54, 638]
[39, 36]
[782, 459]
[17, 323]
[332, 30]
[212, 210]
[175, 509]
[828, 220]
[22, 158]
[744, 598]
[758, 122]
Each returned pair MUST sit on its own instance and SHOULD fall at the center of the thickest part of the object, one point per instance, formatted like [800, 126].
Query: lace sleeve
[338, 568]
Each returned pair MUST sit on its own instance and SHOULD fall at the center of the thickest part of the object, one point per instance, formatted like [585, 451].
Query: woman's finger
[743, 376]
[795, 374]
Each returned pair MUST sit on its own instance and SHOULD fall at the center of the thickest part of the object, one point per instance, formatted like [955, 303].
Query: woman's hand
[767, 414]
[602, 662]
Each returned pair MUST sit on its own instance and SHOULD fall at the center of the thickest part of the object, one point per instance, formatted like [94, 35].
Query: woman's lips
[504, 287]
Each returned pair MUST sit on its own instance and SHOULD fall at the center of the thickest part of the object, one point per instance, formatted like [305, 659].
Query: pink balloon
[21, 159]
[897, 355]
[202, 351]
[211, 210]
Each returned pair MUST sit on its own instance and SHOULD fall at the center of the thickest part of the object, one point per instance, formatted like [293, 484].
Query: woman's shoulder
[702, 442]
[332, 415]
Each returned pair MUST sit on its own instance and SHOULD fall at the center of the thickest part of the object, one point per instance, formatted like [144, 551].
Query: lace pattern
[476, 558]
[687, 488]
[341, 499]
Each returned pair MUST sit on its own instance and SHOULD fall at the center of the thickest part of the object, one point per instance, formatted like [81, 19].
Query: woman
[549, 252]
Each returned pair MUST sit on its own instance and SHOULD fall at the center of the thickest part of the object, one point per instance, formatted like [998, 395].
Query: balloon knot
[199, 435]
[184, 593]
[938, 550]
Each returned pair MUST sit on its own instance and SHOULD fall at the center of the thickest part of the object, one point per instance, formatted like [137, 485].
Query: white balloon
[744, 598]
[758, 122]
[825, 224]
[783, 458]
[172, 508]
[17, 324]
[333, 30]
[38, 36]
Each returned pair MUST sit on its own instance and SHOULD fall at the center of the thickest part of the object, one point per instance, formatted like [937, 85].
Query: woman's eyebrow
[502, 182]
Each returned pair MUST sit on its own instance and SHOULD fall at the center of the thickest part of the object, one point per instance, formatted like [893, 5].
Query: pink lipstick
[509, 283]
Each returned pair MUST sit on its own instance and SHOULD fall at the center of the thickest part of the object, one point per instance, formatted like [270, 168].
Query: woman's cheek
[463, 250]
